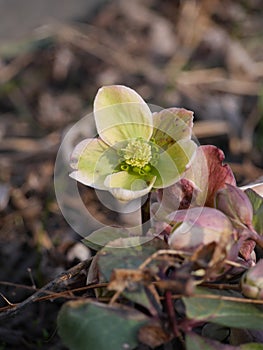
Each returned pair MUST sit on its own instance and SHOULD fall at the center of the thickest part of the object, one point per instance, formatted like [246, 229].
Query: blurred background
[204, 55]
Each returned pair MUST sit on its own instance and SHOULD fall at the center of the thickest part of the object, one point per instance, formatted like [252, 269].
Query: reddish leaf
[246, 249]
[209, 174]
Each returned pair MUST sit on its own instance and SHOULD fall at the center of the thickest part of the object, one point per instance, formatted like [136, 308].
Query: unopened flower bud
[252, 281]
[200, 226]
[233, 202]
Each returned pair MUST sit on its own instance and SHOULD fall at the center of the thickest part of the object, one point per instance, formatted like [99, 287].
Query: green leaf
[139, 296]
[251, 346]
[127, 253]
[257, 204]
[195, 342]
[216, 331]
[86, 325]
[99, 238]
[227, 313]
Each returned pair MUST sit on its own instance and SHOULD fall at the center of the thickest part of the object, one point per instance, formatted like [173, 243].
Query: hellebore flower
[135, 150]
[232, 201]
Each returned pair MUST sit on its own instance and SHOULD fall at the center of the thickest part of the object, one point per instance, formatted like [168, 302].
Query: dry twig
[58, 284]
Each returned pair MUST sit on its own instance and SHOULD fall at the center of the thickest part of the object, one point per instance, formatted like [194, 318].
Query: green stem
[145, 214]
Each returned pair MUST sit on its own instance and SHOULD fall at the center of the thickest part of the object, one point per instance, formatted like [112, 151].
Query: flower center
[137, 153]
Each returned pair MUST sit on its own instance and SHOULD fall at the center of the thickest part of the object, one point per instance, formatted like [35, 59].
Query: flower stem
[145, 214]
[171, 313]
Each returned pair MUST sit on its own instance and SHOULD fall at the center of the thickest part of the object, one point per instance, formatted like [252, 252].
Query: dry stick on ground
[9, 71]
[106, 48]
[48, 292]
[59, 283]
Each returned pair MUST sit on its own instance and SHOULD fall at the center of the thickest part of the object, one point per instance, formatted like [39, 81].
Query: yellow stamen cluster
[137, 153]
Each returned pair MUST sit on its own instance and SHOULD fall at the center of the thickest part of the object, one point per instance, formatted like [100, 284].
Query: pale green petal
[121, 114]
[171, 125]
[173, 162]
[127, 187]
[93, 160]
